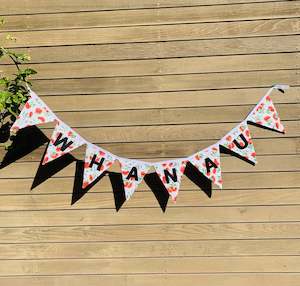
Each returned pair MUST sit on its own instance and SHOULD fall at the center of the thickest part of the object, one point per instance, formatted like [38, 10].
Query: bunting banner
[35, 112]
[133, 172]
[265, 114]
[170, 173]
[239, 141]
[208, 163]
[97, 161]
[63, 140]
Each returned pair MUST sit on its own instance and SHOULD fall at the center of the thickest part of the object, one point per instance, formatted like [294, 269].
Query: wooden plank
[172, 132]
[279, 163]
[56, 6]
[151, 232]
[139, 216]
[232, 181]
[101, 198]
[156, 33]
[171, 149]
[175, 99]
[170, 116]
[200, 14]
[163, 66]
[160, 265]
[173, 49]
[275, 279]
[166, 82]
[150, 249]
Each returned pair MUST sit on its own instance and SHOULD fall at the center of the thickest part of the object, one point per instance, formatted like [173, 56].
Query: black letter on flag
[238, 144]
[133, 173]
[209, 164]
[97, 163]
[169, 176]
[64, 141]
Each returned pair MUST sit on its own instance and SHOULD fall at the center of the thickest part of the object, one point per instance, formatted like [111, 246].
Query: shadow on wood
[78, 191]
[118, 189]
[227, 151]
[157, 187]
[26, 141]
[264, 127]
[45, 172]
[198, 179]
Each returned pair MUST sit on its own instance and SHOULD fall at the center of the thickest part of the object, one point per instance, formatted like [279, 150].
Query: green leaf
[29, 71]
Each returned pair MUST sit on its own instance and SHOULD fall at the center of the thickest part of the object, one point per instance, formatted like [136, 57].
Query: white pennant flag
[239, 141]
[63, 140]
[170, 173]
[34, 112]
[207, 161]
[133, 172]
[265, 113]
[96, 162]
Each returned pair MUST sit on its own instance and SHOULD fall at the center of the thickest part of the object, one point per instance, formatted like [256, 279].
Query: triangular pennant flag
[63, 140]
[133, 172]
[265, 113]
[34, 112]
[170, 173]
[239, 141]
[207, 161]
[96, 162]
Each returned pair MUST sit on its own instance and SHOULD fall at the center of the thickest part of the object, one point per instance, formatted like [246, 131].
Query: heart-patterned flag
[63, 140]
[265, 113]
[133, 172]
[96, 162]
[239, 141]
[170, 173]
[207, 161]
[34, 112]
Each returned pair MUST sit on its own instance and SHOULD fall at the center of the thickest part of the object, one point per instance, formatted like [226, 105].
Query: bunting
[238, 142]
[265, 114]
[170, 173]
[208, 163]
[35, 112]
[133, 172]
[63, 140]
[96, 162]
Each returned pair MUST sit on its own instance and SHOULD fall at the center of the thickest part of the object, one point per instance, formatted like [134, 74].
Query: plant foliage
[13, 90]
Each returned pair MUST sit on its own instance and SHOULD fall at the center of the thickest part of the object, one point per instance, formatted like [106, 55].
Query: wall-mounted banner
[133, 172]
[35, 112]
[97, 161]
[207, 161]
[170, 173]
[63, 140]
[239, 141]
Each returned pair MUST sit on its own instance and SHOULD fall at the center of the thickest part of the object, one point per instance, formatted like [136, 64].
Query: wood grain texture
[203, 248]
[193, 65]
[275, 279]
[56, 6]
[156, 33]
[172, 49]
[174, 99]
[192, 231]
[153, 80]
[196, 14]
[151, 265]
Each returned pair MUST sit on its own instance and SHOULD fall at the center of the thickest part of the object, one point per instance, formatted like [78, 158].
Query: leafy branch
[13, 90]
